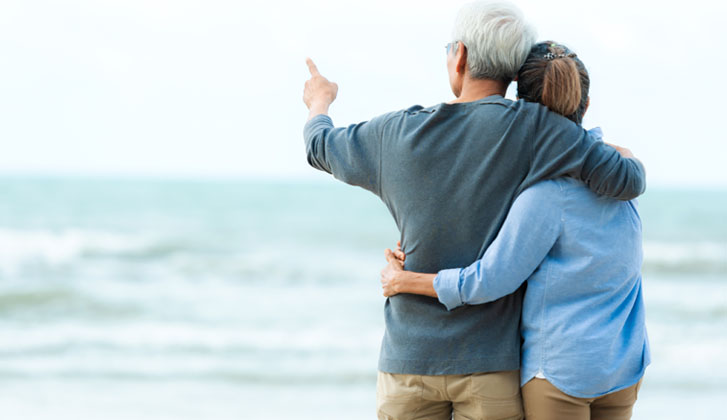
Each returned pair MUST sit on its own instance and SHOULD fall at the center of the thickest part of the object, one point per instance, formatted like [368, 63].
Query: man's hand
[319, 92]
[390, 274]
[622, 150]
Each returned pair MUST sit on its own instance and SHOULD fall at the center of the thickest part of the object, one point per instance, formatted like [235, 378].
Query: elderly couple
[533, 306]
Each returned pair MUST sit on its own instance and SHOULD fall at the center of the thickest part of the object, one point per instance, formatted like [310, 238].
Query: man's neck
[476, 89]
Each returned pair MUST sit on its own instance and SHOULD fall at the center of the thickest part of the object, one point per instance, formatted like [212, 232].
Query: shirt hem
[576, 394]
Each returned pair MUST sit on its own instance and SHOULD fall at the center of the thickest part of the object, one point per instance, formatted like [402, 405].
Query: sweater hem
[449, 367]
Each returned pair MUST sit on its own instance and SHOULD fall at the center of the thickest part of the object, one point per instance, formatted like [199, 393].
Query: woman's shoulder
[547, 191]
[548, 185]
[540, 202]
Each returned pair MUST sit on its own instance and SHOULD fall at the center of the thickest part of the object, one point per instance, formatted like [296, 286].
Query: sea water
[192, 299]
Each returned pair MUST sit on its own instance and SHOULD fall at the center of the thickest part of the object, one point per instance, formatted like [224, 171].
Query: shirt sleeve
[561, 147]
[529, 232]
[351, 154]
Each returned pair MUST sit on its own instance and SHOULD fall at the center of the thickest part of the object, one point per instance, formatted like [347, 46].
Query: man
[448, 175]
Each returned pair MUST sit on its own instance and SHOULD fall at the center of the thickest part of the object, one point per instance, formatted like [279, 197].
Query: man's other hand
[319, 92]
[622, 150]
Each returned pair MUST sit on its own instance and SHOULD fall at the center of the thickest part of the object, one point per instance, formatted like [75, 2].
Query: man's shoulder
[493, 115]
[414, 113]
[497, 101]
[402, 113]
[414, 110]
[445, 108]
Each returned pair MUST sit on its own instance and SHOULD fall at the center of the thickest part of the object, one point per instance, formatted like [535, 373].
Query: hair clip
[551, 56]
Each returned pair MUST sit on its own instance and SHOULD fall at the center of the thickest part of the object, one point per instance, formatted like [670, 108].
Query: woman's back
[583, 314]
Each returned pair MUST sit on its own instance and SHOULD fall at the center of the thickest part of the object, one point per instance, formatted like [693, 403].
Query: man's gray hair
[496, 36]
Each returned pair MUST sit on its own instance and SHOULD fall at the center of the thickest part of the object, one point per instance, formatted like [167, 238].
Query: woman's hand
[398, 253]
[390, 274]
[395, 280]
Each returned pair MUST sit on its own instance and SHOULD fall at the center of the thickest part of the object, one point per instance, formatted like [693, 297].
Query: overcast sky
[213, 88]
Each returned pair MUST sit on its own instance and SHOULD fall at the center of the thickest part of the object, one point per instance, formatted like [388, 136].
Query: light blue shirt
[583, 325]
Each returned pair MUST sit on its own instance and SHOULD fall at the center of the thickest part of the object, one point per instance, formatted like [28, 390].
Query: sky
[209, 88]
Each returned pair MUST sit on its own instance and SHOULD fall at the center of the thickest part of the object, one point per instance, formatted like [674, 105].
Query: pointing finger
[312, 67]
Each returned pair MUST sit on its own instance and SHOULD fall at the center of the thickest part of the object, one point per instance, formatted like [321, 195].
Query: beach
[140, 298]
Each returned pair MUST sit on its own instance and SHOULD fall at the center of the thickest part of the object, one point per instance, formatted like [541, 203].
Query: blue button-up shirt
[583, 312]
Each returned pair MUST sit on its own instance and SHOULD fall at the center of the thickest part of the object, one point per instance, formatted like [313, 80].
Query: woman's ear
[588, 103]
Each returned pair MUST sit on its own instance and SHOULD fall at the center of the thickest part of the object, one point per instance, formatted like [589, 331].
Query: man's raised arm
[351, 154]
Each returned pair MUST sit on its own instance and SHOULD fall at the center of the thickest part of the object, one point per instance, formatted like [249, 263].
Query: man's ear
[461, 58]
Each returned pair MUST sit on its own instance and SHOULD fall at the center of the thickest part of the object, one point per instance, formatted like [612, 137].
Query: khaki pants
[543, 401]
[479, 396]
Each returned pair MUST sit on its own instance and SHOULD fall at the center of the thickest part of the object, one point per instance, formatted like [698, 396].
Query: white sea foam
[55, 247]
[154, 351]
[158, 336]
[18, 247]
[692, 256]
[685, 251]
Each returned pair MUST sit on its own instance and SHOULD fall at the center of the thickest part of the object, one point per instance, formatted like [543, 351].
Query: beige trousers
[543, 401]
[479, 396]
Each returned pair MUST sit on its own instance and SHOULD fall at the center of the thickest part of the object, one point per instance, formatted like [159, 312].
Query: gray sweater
[449, 174]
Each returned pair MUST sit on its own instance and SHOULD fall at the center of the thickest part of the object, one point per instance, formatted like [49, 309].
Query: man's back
[449, 174]
[457, 170]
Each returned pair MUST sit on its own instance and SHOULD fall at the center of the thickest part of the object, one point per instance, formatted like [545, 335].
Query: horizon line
[314, 177]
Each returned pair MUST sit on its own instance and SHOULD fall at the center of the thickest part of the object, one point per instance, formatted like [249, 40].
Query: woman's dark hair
[554, 76]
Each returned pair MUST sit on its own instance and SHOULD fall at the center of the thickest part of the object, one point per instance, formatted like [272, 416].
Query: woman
[585, 347]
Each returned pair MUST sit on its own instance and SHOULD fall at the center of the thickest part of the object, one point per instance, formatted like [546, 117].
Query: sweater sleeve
[351, 154]
[561, 147]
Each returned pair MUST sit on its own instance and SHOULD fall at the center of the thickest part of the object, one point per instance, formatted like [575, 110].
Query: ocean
[222, 299]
